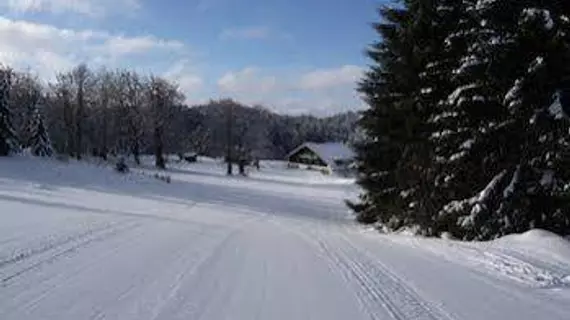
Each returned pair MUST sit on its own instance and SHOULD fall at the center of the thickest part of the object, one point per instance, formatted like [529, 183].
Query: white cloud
[250, 32]
[249, 81]
[85, 7]
[189, 82]
[314, 92]
[120, 45]
[49, 49]
[331, 78]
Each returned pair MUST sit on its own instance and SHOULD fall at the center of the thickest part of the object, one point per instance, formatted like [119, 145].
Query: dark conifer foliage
[8, 139]
[39, 143]
[466, 131]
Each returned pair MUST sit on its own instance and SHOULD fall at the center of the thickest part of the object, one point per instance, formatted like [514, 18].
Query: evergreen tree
[8, 140]
[471, 140]
[387, 87]
[536, 197]
[39, 143]
[403, 89]
[466, 131]
[431, 61]
[504, 149]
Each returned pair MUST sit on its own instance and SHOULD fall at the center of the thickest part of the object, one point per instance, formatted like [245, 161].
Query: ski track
[35, 257]
[56, 246]
[373, 283]
[207, 247]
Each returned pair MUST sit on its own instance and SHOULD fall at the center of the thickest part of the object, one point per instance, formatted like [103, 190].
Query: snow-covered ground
[79, 241]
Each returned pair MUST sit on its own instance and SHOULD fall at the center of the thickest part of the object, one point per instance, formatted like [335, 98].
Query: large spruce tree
[386, 87]
[395, 157]
[507, 149]
[466, 130]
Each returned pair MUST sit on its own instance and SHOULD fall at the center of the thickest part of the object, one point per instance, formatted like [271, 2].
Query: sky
[292, 56]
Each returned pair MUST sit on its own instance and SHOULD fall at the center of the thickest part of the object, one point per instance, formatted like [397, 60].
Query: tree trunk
[158, 149]
[242, 167]
[229, 138]
[136, 152]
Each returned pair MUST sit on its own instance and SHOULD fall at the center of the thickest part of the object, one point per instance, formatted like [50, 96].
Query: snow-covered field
[78, 241]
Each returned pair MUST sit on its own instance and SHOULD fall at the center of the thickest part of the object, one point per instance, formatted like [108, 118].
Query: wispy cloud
[246, 82]
[189, 82]
[120, 45]
[330, 78]
[247, 33]
[93, 8]
[320, 91]
[49, 49]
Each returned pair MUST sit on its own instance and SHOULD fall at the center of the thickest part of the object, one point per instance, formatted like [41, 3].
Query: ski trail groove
[377, 285]
[60, 249]
[31, 252]
[196, 269]
[46, 286]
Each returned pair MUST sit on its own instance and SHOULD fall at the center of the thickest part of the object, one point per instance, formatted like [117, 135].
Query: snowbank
[537, 258]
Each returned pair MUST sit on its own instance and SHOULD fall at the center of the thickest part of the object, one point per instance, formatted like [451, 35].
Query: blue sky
[290, 55]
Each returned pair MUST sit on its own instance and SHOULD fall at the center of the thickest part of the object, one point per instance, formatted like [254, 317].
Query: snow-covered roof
[328, 152]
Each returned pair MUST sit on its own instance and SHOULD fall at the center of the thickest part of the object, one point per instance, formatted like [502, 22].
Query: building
[326, 157]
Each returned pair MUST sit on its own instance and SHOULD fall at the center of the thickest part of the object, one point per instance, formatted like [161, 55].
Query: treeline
[262, 133]
[467, 133]
[122, 113]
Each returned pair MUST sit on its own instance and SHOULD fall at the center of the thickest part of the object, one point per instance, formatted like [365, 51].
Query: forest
[122, 113]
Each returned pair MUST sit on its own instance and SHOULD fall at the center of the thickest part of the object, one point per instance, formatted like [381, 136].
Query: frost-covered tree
[162, 97]
[26, 91]
[536, 197]
[39, 142]
[467, 131]
[471, 125]
[8, 139]
[504, 149]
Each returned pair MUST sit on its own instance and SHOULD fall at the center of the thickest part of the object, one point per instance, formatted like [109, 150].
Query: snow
[468, 144]
[329, 152]
[555, 108]
[457, 156]
[533, 13]
[441, 134]
[80, 241]
[443, 115]
[510, 189]
[459, 91]
[486, 193]
[477, 203]
[547, 178]
[536, 64]
[512, 97]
